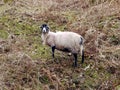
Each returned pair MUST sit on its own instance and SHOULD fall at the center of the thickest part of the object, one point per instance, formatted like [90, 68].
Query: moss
[18, 27]
[6, 1]
[41, 51]
[3, 34]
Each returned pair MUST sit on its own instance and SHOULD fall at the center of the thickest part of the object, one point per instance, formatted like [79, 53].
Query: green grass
[28, 31]
[6, 1]
[3, 34]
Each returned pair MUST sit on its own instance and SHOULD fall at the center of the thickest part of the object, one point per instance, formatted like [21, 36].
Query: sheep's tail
[82, 48]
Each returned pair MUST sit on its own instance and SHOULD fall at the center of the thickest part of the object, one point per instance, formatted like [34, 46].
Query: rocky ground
[25, 64]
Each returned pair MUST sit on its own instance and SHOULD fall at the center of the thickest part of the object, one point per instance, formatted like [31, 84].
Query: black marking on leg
[53, 50]
[75, 57]
[82, 56]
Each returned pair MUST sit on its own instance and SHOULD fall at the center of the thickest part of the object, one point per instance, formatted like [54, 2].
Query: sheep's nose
[44, 29]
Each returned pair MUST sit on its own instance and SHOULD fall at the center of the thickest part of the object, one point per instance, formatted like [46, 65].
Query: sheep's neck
[45, 35]
[45, 38]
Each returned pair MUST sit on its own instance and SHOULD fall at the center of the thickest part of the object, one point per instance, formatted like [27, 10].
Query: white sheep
[63, 41]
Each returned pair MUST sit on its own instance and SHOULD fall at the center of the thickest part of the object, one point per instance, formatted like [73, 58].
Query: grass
[3, 34]
[29, 65]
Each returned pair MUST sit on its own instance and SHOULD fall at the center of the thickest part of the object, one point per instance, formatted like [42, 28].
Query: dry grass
[26, 65]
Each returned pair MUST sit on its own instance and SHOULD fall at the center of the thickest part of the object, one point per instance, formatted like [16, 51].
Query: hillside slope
[25, 64]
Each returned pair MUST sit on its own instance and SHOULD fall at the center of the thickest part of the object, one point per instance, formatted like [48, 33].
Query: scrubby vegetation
[25, 64]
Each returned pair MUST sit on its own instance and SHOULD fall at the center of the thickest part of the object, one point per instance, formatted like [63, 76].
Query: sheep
[63, 41]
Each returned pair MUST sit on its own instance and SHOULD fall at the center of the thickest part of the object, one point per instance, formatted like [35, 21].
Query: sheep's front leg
[75, 57]
[53, 50]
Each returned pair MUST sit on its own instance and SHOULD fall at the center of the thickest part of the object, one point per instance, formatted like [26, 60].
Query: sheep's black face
[44, 28]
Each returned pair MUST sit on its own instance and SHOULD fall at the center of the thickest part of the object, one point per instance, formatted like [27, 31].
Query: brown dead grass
[98, 21]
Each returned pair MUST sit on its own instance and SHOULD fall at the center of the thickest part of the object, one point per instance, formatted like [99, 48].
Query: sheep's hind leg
[75, 57]
[53, 50]
[82, 57]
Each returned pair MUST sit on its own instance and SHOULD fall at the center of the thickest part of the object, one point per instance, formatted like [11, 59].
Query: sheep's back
[67, 40]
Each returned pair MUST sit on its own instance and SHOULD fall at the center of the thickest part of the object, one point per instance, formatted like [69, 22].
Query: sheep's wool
[62, 40]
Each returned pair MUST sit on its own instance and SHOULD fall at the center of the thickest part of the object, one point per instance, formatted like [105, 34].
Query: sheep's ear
[40, 28]
[48, 27]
